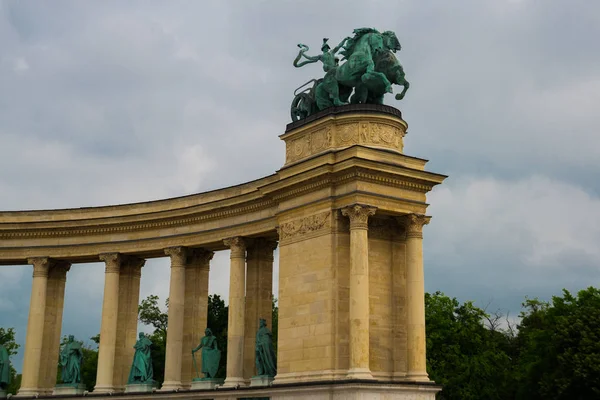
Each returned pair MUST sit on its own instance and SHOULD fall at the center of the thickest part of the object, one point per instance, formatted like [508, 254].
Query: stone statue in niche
[141, 368]
[266, 361]
[71, 357]
[4, 368]
[211, 355]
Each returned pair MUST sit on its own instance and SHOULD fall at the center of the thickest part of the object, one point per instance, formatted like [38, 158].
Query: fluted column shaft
[35, 327]
[195, 311]
[175, 321]
[57, 278]
[359, 290]
[129, 298]
[108, 326]
[235, 328]
[415, 286]
[259, 293]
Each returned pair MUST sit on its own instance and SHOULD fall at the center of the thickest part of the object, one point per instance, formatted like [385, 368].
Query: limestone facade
[346, 212]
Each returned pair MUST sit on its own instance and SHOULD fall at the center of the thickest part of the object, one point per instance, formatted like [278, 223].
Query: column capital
[263, 248]
[358, 215]
[178, 255]
[133, 265]
[414, 224]
[41, 266]
[237, 245]
[201, 257]
[59, 269]
[113, 262]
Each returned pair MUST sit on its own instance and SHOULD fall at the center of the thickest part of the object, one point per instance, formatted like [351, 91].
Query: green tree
[7, 338]
[559, 343]
[464, 356]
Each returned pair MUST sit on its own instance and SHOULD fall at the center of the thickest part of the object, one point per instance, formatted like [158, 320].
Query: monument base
[66, 389]
[140, 387]
[330, 390]
[2, 394]
[261, 380]
[206, 383]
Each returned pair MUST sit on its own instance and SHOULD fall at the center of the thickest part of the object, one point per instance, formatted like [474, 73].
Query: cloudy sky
[122, 101]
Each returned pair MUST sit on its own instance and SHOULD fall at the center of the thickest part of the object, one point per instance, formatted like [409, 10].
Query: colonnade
[249, 299]
[250, 296]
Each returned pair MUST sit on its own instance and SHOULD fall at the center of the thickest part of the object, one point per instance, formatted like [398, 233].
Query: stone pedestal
[2, 394]
[261, 380]
[206, 383]
[140, 387]
[68, 389]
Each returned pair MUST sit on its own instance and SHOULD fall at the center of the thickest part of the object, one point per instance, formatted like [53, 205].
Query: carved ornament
[303, 226]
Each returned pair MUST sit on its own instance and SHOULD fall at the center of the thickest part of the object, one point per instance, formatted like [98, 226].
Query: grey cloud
[121, 101]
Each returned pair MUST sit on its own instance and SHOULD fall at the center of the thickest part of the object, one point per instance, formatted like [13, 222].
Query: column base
[170, 386]
[66, 389]
[147, 387]
[417, 377]
[359, 373]
[234, 382]
[29, 392]
[206, 383]
[261, 380]
[104, 389]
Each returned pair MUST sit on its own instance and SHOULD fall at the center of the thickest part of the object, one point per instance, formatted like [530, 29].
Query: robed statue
[211, 355]
[141, 368]
[4, 368]
[266, 361]
[71, 357]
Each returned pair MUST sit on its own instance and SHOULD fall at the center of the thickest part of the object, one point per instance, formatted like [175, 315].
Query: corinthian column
[415, 286]
[175, 322]
[30, 383]
[108, 327]
[359, 290]
[259, 293]
[235, 327]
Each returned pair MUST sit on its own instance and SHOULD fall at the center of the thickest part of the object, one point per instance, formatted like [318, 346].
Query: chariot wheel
[301, 106]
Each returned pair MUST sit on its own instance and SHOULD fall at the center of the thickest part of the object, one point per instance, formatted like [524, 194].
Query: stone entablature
[349, 174]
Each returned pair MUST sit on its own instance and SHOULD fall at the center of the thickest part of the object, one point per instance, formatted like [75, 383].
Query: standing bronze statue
[141, 368]
[70, 360]
[4, 368]
[370, 69]
[211, 355]
[266, 361]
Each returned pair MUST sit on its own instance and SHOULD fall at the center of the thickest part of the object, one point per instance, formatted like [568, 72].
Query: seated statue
[266, 362]
[4, 368]
[70, 360]
[141, 368]
[211, 355]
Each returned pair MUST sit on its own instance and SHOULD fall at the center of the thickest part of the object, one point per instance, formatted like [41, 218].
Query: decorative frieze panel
[381, 134]
[306, 226]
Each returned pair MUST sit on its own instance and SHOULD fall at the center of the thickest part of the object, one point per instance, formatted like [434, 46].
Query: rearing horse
[359, 70]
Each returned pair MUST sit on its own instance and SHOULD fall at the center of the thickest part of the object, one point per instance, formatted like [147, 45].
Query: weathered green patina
[211, 355]
[4, 368]
[266, 361]
[71, 357]
[141, 368]
[370, 69]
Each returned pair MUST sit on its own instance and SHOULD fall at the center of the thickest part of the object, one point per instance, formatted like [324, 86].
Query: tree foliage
[464, 356]
[559, 347]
